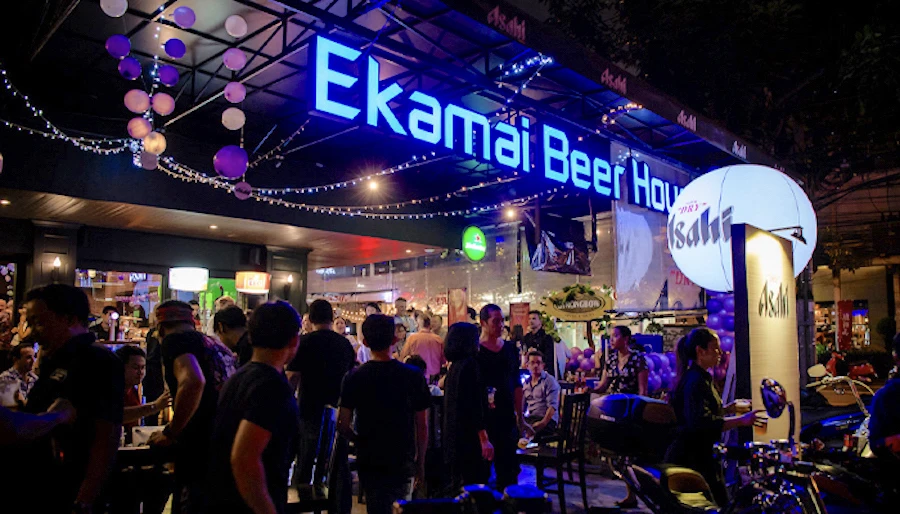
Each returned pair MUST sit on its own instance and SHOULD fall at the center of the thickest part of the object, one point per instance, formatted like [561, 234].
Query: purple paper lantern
[184, 17]
[175, 48]
[242, 190]
[118, 46]
[234, 59]
[235, 92]
[230, 161]
[168, 75]
[129, 68]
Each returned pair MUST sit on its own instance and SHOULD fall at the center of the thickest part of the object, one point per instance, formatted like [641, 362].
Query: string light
[273, 153]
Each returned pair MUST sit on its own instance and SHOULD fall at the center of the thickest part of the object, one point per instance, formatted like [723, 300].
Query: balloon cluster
[662, 372]
[721, 320]
[139, 101]
[581, 360]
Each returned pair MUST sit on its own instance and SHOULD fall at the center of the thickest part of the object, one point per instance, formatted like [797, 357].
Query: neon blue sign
[344, 91]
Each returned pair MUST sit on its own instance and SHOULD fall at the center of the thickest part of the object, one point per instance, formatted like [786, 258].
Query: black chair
[315, 497]
[569, 448]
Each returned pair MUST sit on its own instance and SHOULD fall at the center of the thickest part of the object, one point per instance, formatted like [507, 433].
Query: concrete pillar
[54, 241]
[288, 267]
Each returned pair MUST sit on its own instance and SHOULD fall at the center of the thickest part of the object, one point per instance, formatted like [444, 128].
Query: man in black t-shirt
[537, 339]
[498, 364]
[195, 366]
[323, 358]
[257, 420]
[73, 462]
[391, 400]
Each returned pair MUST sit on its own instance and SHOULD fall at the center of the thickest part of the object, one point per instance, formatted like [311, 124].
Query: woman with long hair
[466, 444]
[626, 369]
[701, 417]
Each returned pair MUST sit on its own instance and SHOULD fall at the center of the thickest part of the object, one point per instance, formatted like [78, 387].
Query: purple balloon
[588, 353]
[168, 75]
[129, 68]
[657, 360]
[118, 46]
[654, 383]
[714, 322]
[230, 161]
[651, 365]
[587, 365]
[714, 305]
[672, 358]
[728, 323]
[728, 304]
[727, 343]
[175, 48]
[184, 17]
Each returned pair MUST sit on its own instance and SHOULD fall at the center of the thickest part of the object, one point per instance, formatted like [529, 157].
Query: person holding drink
[701, 416]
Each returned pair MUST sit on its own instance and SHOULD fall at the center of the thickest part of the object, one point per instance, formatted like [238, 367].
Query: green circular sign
[474, 244]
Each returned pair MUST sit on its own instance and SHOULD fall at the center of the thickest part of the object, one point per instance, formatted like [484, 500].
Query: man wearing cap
[195, 367]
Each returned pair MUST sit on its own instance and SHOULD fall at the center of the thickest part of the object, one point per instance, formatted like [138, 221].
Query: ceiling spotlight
[510, 213]
[5, 202]
[429, 250]
[213, 227]
[408, 251]
[373, 185]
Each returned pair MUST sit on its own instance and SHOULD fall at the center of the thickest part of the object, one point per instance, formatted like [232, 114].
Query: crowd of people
[248, 398]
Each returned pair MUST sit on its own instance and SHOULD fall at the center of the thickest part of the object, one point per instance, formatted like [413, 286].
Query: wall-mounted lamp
[290, 279]
[57, 263]
[796, 234]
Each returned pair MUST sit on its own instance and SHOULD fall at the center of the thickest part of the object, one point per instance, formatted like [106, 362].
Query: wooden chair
[568, 449]
[315, 497]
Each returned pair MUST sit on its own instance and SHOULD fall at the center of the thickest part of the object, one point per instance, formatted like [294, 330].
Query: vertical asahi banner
[765, 321]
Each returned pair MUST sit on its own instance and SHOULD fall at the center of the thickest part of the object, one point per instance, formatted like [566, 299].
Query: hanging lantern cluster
[231, 161]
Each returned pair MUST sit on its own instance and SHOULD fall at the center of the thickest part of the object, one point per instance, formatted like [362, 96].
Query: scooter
[838, 366]
[636, 429]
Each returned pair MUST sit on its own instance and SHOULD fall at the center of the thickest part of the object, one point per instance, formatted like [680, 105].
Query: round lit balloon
[587, 365]
[233, 118]
[714, 305]
[699, 234]
[576, 351]
[728, 304]
[654, 383]
[235, 92]
[138, 128]
[168, 75]
[114, 8]
[242, 190]
[651, 365]
[230, 161]
[727, 343]
[728, 322]
[588, 353]
[184, 17]
[163, 104]
[155, 143]
[234, 59]
[129, 68]
[235, 26]
[137, 101]
[149, 161]
[714, 322]
[118, 46]
[175, 48]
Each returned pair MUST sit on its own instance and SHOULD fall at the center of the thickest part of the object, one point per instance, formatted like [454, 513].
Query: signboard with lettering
[474, 243]
[252, 282]
[766, 344]
[518, 315]
[457, 306]
[844, 324]
[578, 303]
[345, 85]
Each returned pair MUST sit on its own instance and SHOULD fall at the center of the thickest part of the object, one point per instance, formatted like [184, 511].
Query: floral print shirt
[624, 380]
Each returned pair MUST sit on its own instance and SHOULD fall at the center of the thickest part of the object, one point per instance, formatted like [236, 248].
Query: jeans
[382, 492]
[307, 446]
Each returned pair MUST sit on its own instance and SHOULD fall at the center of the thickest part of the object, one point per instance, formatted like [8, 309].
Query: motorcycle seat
[684, 486]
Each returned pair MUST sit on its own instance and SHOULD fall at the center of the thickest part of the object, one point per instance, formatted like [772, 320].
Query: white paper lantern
[235, 26]
[155, 143]
[138, 128]
[149, 161]
[233, 118]
[163, 104]
[699, 230]
[114, 8]
[1, 163]
[188, 279]
[137, 101]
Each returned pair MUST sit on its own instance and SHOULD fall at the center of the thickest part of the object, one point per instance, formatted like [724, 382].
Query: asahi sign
[513, 27]
[700, 220]
[578, 305]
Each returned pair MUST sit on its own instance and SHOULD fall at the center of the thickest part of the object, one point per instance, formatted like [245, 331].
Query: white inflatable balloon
[235, 26]
[114, 8]
[233, 118]
[699, 229]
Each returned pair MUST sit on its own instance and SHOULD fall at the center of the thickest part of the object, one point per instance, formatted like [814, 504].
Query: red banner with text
[844, 324]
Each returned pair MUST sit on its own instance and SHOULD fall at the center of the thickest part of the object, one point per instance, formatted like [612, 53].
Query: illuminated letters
[503, 143]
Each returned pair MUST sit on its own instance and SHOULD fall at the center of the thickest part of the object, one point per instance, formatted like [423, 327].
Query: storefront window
[133, 294]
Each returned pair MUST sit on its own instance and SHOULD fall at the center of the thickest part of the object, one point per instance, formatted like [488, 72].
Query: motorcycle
[837, 366]
[844, 430]
[636, 430]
